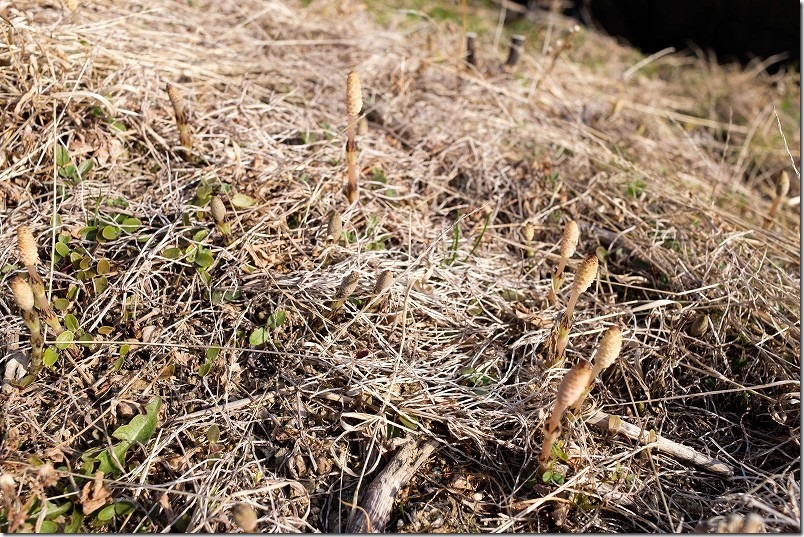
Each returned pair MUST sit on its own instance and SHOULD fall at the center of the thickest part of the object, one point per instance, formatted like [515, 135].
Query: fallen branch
[604, 422]
[378, 500]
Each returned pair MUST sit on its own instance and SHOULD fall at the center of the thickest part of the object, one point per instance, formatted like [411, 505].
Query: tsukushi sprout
[354, 102]
[569, 390]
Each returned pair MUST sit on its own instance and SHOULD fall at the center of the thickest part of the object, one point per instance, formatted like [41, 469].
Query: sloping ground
[669, 170]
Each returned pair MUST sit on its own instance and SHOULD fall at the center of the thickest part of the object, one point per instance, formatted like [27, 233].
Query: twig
[379, 497]
[601, 420]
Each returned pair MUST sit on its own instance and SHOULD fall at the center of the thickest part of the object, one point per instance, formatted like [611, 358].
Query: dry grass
[669, 175]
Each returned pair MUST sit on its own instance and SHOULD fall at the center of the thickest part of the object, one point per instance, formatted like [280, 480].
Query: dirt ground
[213, 372]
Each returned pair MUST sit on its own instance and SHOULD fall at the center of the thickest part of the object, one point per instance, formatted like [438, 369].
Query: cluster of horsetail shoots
[218, 210]
[569, 241]
[354, 102]
[24, 295]
[782, 187]
[181, 110]
[607, 352]
[569, 390]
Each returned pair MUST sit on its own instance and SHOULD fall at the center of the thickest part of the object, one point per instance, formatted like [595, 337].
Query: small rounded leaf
[242, 201]
[64, 339]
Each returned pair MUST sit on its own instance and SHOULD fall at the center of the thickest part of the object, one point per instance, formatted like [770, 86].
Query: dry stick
[378, 500]
[571, 387]
[354, 102]
[782, 187]
[603, 422]
[24, 295]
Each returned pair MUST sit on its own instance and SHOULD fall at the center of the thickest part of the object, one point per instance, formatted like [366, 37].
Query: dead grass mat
[669, 172]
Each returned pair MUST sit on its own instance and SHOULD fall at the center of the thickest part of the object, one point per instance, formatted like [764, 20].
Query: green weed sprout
[24, 295]
[567, 246]
[569, 390]
[354, 102]
[607, 352]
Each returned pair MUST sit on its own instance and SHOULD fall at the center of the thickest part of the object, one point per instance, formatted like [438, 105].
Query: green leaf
[118, 364]
[61, 304]
[131, 224]
[172, 253]
[104, 267]
[118, 125]
[258, 337]
[123, 507]
[204, 259]
[71, 322]
[84, 168]
[276, 319]
[212, 353]
[100, 284]
[213, 434]
[54, 510]
[242, 201]
[124, 348]
[62, 155]
[86, 340]
[110, 232]
[106, 514]
[200, 235]
[50, 357]
[107, 463]
[64, 339]
[62, 249]
[205, 368]
[105, 330]
[547, 476]
[88, 232]
[142, 426]
[408, 421]
[74, 523]
[48, 526]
